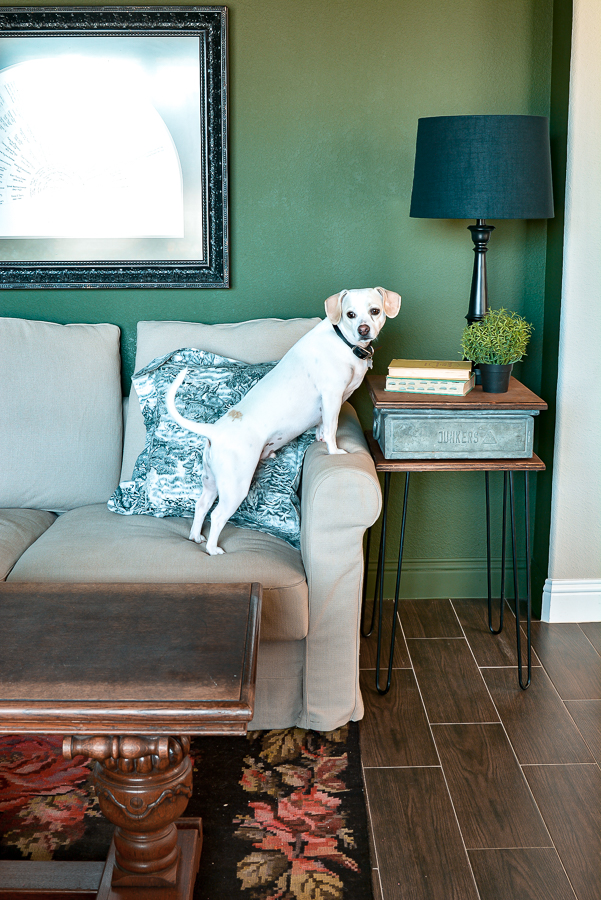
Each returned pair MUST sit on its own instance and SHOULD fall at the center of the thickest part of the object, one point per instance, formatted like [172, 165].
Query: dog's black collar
[362, 353]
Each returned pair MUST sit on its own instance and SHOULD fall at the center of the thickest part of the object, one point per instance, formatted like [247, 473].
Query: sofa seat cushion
[60, 408]
[19, 528]
[91, 544]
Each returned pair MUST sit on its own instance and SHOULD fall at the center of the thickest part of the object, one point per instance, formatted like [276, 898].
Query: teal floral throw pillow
[166, 480]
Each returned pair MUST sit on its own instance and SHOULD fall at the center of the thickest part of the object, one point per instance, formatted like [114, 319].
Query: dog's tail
[202, 428]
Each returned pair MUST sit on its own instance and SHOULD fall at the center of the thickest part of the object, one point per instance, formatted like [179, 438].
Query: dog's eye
[351, 315]
[375, 312]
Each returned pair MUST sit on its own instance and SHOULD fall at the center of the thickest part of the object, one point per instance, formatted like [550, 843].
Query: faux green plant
[500, 338]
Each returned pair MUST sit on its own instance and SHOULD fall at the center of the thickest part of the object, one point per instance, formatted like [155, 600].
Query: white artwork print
[84, 153]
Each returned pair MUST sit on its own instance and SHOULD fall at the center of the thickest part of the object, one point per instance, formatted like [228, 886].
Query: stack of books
[430, 376]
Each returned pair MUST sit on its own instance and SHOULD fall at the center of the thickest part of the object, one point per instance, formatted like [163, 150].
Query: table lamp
[482, 167]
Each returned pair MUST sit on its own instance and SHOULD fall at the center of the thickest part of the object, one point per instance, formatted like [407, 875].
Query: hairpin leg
[364, 594]
[378, 589]
[523, 685]
[488, 557]
[396, 600]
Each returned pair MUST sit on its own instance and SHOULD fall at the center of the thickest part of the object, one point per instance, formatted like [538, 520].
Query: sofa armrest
[341, 498]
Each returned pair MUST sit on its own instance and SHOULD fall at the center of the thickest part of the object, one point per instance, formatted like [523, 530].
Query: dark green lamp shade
[482, 167]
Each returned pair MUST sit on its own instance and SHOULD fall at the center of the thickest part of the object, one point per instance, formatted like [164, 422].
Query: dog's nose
[363, 330]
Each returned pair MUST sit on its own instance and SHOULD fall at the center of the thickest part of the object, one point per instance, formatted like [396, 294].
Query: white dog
[306, 388]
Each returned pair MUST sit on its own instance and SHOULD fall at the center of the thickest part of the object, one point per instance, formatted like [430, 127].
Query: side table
[517, 398]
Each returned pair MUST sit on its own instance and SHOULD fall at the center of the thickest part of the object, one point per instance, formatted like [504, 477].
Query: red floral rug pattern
[44, 798]
[298, 827]
[283, 812]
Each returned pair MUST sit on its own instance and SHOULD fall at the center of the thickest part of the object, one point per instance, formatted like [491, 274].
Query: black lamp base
[478, 306]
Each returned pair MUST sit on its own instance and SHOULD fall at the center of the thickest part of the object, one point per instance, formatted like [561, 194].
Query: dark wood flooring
[476, 789]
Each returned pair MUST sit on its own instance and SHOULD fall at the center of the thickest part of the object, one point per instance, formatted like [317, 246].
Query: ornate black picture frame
[113, 147]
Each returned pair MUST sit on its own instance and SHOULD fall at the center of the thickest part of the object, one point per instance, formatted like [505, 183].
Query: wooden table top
[517, 397]
[128, 658]
[531, 464]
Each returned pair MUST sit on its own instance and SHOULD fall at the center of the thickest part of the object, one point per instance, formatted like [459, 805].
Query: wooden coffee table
[128, 672]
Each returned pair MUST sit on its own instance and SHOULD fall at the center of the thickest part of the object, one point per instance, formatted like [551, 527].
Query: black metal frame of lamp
[478, 307]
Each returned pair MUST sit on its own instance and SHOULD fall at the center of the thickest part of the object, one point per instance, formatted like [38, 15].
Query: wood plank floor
[476, 789]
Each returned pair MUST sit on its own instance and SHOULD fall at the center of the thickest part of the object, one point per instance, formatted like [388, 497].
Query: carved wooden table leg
[143, 786]
[195, 642]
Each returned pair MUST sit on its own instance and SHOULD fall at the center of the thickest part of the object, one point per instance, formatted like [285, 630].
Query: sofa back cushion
[256, 341]
[60, 408]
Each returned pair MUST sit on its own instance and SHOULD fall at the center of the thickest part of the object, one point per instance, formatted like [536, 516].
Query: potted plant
[494, 344]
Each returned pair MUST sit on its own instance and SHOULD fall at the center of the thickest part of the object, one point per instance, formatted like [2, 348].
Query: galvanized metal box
[454, 434]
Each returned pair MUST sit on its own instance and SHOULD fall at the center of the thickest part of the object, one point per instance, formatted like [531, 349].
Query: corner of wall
[558, 120]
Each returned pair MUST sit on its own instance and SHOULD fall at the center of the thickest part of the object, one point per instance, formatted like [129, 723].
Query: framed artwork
[113, 147]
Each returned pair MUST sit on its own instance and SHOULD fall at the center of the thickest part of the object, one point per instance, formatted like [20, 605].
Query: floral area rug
[283, 812]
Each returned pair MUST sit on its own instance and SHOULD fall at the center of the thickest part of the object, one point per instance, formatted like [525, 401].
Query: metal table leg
[378, 603]
[380, 566]
[380, 594]
[488, 556]
[518, 632]
[365, 633]
[523, 685]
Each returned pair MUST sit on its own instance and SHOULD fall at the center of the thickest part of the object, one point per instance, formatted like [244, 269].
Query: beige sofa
[63, 450]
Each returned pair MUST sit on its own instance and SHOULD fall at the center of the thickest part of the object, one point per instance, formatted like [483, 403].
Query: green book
[429, 386]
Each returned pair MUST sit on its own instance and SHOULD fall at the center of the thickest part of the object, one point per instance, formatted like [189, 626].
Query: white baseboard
[577, 600]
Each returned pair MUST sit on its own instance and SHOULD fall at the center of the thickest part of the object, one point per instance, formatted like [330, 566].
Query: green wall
[324, 102]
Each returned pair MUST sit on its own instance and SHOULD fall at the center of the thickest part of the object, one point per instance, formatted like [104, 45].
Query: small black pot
[495, 378]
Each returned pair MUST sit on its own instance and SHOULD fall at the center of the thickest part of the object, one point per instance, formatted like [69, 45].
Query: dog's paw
[214, 551]
[197, 537]
[337, 450]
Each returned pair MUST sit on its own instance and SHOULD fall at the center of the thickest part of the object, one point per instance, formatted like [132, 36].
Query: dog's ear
[334, 307]
[392, 302]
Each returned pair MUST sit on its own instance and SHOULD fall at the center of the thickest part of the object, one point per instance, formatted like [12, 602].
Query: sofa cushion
[92, 544]
[60, 408]
[19, 528]
[256, 341]
[167, 477]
